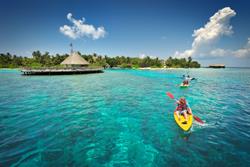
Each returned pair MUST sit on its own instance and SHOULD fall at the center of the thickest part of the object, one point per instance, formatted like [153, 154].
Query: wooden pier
[61, 71]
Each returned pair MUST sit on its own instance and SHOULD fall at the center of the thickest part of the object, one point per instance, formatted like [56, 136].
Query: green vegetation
[37, 60]
[46, 60]
[181, 63]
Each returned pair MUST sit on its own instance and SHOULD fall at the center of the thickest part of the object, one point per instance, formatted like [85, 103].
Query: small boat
[183, 86]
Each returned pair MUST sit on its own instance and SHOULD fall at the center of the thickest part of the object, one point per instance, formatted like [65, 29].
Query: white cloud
[240, 53]
[243, 52]
[69, 31]
[204, 37]
[142, 55]
[81, 29]
[219, 52]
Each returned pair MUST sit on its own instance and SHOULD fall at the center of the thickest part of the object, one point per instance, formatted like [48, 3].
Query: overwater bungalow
[74, 64]
[217, 66]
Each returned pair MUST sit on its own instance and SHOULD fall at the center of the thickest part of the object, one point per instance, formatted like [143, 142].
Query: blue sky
[130, 28]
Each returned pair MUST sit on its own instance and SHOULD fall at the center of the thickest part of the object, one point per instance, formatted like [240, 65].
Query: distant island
[39, 60]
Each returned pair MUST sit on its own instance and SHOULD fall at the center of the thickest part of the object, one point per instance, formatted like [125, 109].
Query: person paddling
[187, 77]
[185, 83]
[183, 109]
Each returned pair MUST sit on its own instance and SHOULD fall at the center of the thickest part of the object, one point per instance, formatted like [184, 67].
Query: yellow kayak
[183, 126]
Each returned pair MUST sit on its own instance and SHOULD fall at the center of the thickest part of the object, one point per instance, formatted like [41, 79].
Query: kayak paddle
[170, 95]
[195, 117]
[198, 119]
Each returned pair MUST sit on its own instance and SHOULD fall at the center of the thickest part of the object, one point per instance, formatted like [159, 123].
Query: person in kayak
[183, 109]
[185, 83]
[187, 77]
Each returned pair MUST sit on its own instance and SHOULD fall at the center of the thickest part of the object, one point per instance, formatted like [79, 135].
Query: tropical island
[144, 101]
[39, 60]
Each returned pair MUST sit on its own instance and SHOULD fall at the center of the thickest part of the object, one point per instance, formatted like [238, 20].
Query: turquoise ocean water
[124, 118]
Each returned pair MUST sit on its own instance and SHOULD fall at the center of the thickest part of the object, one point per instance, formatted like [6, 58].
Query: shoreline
[149, 68]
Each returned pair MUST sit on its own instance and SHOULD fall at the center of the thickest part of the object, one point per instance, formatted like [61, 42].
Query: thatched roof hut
[75, 60]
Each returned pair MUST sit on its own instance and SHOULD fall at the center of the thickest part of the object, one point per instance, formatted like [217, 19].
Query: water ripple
[124, 118]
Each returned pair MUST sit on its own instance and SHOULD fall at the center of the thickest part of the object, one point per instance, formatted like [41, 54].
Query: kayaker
[183, 109]
[188, 78]
[185, 82]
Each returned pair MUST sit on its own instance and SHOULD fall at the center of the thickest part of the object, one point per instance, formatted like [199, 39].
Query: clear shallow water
[124, 118]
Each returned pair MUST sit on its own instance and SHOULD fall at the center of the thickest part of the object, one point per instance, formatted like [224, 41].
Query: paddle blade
[170, 95]
[198, 119]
